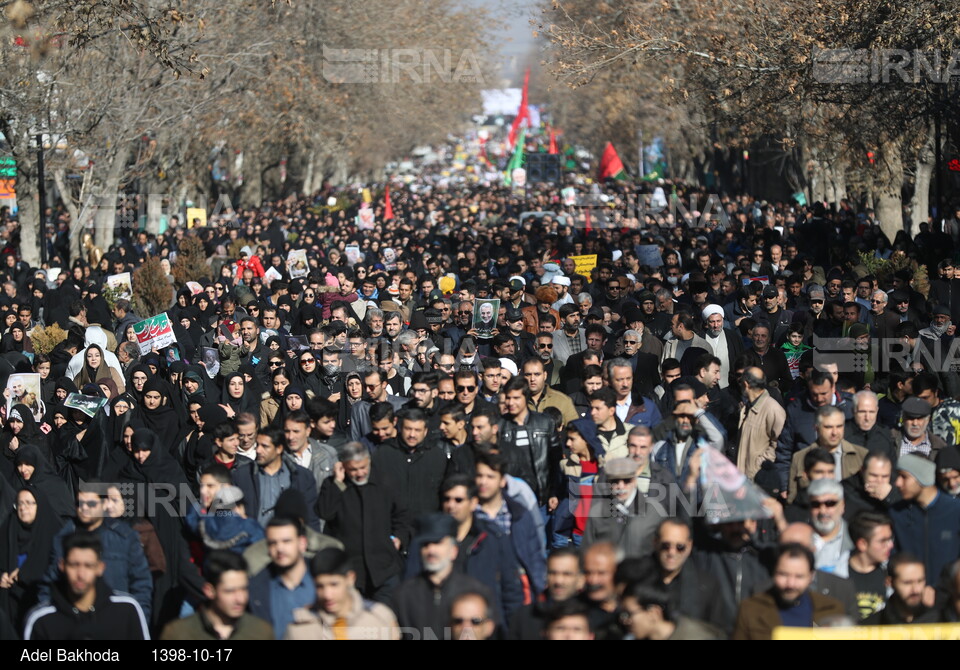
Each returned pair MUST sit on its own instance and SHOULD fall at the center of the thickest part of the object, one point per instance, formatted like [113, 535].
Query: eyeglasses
[829, 504]
[307, 360]
[621, 481]
[466, 389]
[474, 621]
[667, 546]
[453, 499]
[276, 364]
[464, 311]
[630, 342]
[544, 346]
[308, 295]
[878, 302]
[89, 504]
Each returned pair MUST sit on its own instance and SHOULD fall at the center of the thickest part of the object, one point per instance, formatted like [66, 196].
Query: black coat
[416, 476]
[364, 518]
[692, 592]
[424, 608]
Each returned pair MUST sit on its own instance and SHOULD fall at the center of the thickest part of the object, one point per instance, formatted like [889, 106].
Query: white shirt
[623, 408]
[303, 459]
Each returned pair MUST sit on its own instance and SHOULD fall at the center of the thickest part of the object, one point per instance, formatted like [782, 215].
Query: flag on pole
[516, 160]
[553, 143]
[523, 114]
[388, 208]
[611, 167]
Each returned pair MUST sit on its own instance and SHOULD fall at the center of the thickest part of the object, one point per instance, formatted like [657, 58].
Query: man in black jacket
[530, 442]
[692, 592]
[422, 603]
[371, 520]
[274, 472]
[83, 606]
[412, 465]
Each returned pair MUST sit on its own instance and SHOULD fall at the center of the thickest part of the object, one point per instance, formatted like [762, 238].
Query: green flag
[517, 159]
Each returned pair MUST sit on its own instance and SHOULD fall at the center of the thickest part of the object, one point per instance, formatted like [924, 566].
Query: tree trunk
[76, 225]
[105, 220]
[889, 191]
[920, 203]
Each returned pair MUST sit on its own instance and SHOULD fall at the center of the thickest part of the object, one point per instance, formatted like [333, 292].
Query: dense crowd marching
[471, 422]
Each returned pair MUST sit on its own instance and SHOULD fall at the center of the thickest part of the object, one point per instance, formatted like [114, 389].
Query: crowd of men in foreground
[340, 454]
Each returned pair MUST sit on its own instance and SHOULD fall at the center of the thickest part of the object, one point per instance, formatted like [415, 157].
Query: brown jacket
[531, 318]
[850, 464]
[760, 427]
[758, 616]
[367, 620]
[552, 398]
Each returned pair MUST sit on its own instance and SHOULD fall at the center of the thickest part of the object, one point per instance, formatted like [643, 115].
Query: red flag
[522, 114]
[610, 164]
[553, 143]
[388, 209]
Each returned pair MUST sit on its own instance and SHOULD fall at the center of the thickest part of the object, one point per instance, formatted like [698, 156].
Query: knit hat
[923, 470]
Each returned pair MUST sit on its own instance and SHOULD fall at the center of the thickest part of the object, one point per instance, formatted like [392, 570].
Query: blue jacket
[526, 546]
[931, 534]
[487, 555]
[127, 569]
[225, 530]
[301, 479]
[800, 430]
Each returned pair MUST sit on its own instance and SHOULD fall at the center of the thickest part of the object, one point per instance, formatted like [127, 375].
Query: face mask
[673, 280]
[467, 360]
[330, 370]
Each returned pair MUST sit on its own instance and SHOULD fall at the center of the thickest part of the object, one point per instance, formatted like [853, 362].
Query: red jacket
[253, 262]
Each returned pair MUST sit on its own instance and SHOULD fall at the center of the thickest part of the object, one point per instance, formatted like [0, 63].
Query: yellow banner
[196, 213]
[930, 631]
[585, 264]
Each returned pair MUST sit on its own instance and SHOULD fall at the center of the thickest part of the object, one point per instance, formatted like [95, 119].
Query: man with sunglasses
[622, 516]
[126, 570]
[691, 591]
[524, 342]
[831, 540]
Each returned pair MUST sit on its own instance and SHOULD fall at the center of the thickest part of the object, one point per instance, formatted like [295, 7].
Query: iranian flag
[388, 207]
[611, 167]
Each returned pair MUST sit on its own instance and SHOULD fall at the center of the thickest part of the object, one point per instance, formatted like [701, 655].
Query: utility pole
[42, 197]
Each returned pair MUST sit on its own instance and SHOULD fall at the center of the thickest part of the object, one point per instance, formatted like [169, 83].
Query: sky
[515, 44]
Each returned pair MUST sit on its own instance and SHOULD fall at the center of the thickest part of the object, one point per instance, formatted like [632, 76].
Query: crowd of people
[334, 450]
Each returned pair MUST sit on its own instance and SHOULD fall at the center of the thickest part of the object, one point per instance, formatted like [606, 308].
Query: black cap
[898, 296]
[916, 408]
[948, 459]
[770, 291]
[514, 314]
[433, 528]
[632, 313]
[433, 316]
[941, 309]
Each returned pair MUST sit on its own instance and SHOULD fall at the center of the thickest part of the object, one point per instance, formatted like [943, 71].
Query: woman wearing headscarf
[35, 472]
[138, 375]
[199, 446]
[95, 368]
[307, 374]
[157, 413]
[238, 395]
[271, 401]
[28, 540]
[153, 465]
[16, 340]
[20, 430]
[352, 394]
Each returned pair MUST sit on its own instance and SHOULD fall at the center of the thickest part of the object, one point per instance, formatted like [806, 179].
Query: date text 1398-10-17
[197, 655]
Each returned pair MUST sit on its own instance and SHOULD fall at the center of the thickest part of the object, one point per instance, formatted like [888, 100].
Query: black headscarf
[164, 421]
[248, 402]
[45, 481]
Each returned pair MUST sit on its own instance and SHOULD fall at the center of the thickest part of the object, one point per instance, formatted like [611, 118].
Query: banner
[197, 214]
[927, 631]
[727, 493]
[88, 404]
[155, 332]
[585, 264]
[649, 254]
[122, 284]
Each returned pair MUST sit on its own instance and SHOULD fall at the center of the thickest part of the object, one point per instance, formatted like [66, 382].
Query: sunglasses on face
[466, 389]
[667, 546]
[630, 342]
[453, 499]
[621, 481]
[475, 621]
[829, 504]
[89, 504]
[303, 361]
[545, 346]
